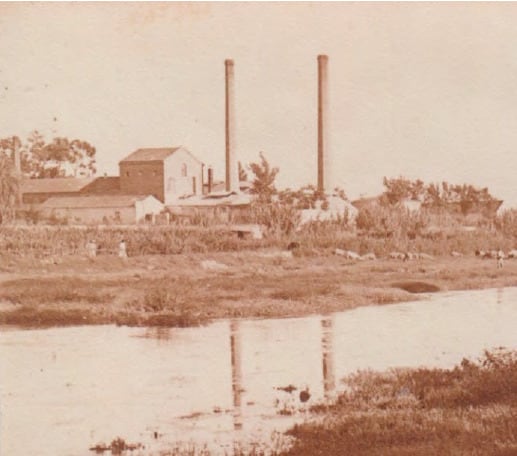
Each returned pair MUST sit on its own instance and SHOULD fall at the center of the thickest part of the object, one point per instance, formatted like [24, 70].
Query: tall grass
[140, 240]
[470, 409]
[379, 229]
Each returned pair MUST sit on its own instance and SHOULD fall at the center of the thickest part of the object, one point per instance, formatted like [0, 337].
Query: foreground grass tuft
[471, 409]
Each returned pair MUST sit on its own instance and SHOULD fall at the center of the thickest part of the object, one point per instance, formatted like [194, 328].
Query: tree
[60, 158]
[400, 188]
[9, 145]
[243, 175]
[263, 183]
[9, 190]
[463, 197]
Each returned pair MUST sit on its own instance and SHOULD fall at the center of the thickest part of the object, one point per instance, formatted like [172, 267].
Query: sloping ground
[182, 290]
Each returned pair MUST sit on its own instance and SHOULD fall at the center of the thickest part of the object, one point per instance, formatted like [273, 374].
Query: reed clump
[469, 409]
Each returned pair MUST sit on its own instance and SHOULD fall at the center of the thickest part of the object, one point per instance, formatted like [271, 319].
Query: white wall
[176, 184]
[149, 205]
[124, 215]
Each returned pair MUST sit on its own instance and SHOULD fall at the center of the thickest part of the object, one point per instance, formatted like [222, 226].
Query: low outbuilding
[105, 209]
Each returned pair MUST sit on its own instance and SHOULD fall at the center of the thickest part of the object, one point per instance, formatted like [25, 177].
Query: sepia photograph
[258, 228]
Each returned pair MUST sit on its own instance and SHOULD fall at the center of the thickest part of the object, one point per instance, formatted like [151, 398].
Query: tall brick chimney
[322, 121]
[210, 179]
[232, 171]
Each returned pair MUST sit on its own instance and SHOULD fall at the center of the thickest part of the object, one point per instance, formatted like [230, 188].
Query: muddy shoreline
[188, 290]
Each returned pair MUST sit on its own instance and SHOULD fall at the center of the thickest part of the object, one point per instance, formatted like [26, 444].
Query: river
[63, 390]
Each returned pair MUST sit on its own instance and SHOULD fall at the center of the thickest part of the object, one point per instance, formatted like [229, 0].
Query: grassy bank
[185, 290]
[468, 410]
[471, 409]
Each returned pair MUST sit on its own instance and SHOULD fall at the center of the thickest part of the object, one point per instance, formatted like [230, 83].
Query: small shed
[223, 205]
[122, 209]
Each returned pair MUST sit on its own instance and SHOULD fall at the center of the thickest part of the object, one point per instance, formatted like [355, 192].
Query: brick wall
[142, 178]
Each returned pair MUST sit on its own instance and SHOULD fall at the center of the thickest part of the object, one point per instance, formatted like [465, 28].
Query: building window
[184, 170]
[127, 173]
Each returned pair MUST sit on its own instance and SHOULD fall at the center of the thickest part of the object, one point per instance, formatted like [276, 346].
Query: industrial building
[106, 209]
[170, 176]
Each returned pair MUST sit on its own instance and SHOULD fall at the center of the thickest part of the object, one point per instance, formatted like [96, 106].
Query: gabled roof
[156, 154]
[150, 154]
[104, 185]
[72, 202]
[56, 185]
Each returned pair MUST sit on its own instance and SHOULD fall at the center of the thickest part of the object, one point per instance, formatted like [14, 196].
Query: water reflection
[69, 388]
[500, 292]
[327, 348]
[236, 358]
[161, 334]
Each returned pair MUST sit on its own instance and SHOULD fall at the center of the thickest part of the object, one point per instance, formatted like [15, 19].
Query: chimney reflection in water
[235, 344]
[327, 342]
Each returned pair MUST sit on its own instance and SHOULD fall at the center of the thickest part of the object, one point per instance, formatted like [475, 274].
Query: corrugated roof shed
[151, 154]
[57, 185]
[93, 201]
[214, 199]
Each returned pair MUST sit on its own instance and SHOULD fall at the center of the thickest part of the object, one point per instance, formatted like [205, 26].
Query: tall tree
[243, 175]
[263, 183]
[400, 188]
[10, 146]
[9, 182]
[59, 158]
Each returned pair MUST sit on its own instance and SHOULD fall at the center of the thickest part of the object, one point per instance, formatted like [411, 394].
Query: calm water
[63, 390]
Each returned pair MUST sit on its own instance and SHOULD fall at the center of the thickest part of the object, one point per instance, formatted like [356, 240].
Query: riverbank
[470, 410]
[467, 410]
[187, 290]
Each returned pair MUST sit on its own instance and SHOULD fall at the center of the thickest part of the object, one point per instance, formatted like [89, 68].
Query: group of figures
[92, 248]
[498, 255]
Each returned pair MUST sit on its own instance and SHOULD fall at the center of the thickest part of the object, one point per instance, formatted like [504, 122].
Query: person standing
[91, 249]
[500, 259]
[122, 249]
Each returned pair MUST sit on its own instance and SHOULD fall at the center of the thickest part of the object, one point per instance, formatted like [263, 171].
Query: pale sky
[422, 90]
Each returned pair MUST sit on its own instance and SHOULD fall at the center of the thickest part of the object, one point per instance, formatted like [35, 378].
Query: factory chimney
[232, 172]
[210, 179]
[322, 122]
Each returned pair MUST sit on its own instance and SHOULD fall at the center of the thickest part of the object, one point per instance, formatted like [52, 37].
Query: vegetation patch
[417, 287]
[32, 317]
[470, 409]
[54, 290]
